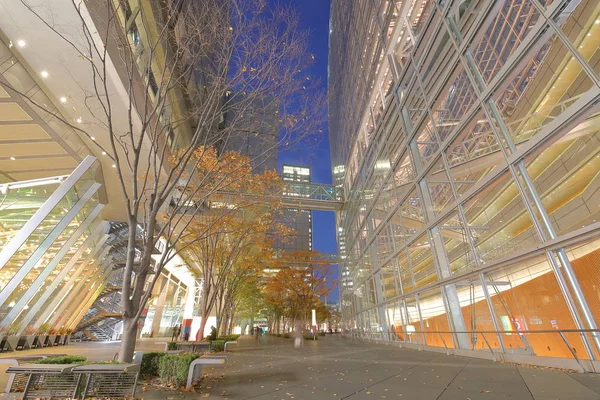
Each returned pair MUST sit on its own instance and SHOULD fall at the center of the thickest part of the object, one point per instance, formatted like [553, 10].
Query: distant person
[297, 335]
[256, 333]
[175, 333]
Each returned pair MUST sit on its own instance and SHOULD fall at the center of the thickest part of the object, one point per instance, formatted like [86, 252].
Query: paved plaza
[337, 368]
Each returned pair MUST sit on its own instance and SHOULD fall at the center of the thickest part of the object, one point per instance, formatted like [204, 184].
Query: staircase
[100, 316]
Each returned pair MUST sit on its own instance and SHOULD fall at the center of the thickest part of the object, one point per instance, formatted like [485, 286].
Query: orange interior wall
[539, 303]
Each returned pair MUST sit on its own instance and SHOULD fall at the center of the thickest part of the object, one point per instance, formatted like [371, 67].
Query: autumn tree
[158, 76]
[299, 287]
[231, 239]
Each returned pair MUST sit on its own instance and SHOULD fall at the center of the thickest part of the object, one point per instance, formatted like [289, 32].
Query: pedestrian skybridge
[298, 195]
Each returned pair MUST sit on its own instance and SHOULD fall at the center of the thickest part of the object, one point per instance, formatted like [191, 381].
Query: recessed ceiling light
[44, 74]
[93, 138]
[12, 158]
[79, 120]
[597, 21]
[114, 166]
[63, 99]
[103, 153]
[21, 43]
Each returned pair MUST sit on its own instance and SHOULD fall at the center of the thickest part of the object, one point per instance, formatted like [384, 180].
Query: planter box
[33, 341]
[50, 340]
[42, 340]
[3, 344]
[17, 342]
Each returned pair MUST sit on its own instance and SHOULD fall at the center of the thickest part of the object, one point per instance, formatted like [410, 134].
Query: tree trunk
[130, 330]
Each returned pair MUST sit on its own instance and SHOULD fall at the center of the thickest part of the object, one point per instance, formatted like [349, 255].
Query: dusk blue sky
[314, 17]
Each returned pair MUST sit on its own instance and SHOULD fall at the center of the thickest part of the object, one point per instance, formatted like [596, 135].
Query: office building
[300, 220]
[465, 135]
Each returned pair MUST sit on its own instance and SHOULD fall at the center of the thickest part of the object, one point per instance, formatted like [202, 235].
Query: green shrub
[310, 337]
[150, 364]
[217, 345]
[173, 368]
[287, 335]
[228, 338]
[61, 360]
[321, 333]
[172, 346]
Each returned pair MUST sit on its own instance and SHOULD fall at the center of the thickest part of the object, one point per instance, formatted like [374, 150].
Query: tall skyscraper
[465, 135]
[298, 219]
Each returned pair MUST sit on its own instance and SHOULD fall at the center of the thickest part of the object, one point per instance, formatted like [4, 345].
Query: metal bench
[48, 380]
[108, 380]
[193, 347]
[64, 380]
[228, 344]
[165, 343]
[196, 367]
[17, 382]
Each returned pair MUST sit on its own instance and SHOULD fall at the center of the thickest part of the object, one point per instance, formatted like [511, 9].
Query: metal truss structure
[466, 137]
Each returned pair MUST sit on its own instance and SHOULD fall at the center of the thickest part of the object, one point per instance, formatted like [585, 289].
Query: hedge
[172, 346]
[229, 338]
[173, 368]
[61, 360]
[310, 337]
[217, 345]
[150, 364]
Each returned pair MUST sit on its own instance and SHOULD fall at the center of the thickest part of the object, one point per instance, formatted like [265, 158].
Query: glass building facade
[465, 135]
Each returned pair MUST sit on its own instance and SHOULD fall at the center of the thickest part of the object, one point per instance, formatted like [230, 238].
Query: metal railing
[393, 336]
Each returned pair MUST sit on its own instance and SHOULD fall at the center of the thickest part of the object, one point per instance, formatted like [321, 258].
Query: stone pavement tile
[488, 382]
[555, 385]
[592, 381]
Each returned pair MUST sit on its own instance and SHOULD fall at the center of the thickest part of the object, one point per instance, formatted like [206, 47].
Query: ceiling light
[597, 21]
[103, 153]
[114, 166]
[44, 74]
[63, 99]
[93, 138]
[12, 158]
[21, 43]
[79, 120]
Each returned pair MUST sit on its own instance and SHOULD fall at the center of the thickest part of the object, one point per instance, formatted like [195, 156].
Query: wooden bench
[196, 367]
[17, 382]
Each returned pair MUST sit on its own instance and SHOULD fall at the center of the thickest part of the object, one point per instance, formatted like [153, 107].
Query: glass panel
[473, 154]
[580, 22]
[458, 252]
[427, 142]
[585, 259]
[421, 262]
[435, 319]
[499, 222]
[565, 175]
[408, 219]
[505, 31]
[476, 314]
[526, 296]
[439, 186]
[457, 97]
[548, 83]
